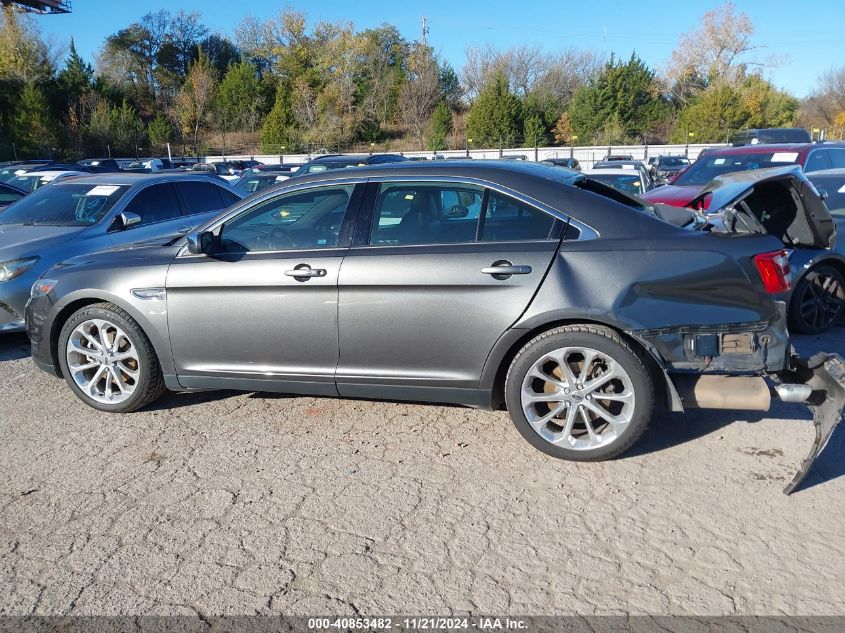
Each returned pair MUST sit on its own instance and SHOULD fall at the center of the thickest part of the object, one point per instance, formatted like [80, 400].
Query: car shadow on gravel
[667, 430]
[13, 346]
[174, 400]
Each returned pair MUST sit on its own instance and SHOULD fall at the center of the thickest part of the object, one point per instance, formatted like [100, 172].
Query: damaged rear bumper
[825, 375]
[818, 382]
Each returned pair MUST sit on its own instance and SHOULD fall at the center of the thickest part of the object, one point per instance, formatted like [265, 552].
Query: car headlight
[42, 287]
[15, 268]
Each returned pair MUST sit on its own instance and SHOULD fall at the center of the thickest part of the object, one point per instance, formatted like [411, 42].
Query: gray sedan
[491, 284]
[90, 213]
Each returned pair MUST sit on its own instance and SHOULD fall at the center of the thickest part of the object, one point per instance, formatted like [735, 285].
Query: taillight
[774, 270]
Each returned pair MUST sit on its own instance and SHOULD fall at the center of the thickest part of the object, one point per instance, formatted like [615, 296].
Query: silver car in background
[75, 216]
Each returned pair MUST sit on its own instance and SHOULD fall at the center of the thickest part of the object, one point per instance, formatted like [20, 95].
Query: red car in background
[689, 183]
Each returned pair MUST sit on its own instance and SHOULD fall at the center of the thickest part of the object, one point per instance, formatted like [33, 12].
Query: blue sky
[806, 37]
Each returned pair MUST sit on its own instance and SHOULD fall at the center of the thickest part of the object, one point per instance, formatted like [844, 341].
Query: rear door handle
[303, 272]
[508, 269]
[184, 229]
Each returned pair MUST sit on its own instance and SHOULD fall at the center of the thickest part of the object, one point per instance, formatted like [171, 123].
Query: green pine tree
[77, 77]
[627, 93]
[495, 119]
[279, 129]
[535, 131]
[439, 127]
[126, 129]
[159, 131]
[33, 127]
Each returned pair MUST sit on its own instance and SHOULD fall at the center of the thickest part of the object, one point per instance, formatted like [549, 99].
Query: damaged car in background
[494, 284]
[765, 200]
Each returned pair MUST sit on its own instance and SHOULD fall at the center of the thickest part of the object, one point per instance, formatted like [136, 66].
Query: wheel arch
[495, 370]
[77, 300]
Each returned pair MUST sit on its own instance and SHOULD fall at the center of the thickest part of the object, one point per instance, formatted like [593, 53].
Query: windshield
[629, 183]
[7, 173]
[251, 184]
[29, 182]
[709, 166]
[673, 161]
[324, 166]
[64, 205]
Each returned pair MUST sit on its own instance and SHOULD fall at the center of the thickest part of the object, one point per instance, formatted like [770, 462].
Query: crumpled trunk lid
[779, 201]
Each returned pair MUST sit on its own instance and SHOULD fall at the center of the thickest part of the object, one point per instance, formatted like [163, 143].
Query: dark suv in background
[768, 136]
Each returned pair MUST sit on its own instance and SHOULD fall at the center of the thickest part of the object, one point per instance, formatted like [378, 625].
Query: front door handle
[304, 272]
[184, 229]
[506, 269]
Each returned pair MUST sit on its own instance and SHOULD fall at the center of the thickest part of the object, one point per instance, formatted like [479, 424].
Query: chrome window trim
[587, 232]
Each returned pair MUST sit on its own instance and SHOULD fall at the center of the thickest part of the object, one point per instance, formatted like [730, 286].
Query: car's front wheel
[579, 392]
[108, 361]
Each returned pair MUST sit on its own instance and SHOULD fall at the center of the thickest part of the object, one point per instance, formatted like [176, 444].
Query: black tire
[818, 301]
[150, 384]
[606, 341]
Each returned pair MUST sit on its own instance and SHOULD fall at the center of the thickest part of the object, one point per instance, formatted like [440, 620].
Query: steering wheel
[279, 240]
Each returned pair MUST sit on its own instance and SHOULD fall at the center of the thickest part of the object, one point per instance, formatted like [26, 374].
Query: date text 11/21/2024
[418, 623]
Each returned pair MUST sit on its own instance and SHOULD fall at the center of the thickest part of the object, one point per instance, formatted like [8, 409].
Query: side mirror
[200, 243]
[128, 219]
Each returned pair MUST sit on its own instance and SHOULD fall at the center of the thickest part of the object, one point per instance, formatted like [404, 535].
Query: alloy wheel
[578, 398]
[820, 302]
[103, 361]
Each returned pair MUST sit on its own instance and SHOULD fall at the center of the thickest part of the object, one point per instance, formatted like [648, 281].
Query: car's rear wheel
[818, 301]
[579, 392]
[108, 361]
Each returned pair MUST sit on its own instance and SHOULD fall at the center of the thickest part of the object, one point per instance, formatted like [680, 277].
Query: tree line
[284, 85]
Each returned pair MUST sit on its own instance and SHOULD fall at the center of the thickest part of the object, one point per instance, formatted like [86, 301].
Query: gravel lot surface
[225, 503]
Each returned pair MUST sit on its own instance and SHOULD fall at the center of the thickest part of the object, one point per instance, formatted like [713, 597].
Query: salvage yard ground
[225, 503]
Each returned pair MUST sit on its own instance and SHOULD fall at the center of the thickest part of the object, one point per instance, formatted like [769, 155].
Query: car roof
[613, 171]
[765, 148]
[54, 173]
[132, 178]
[833, 173]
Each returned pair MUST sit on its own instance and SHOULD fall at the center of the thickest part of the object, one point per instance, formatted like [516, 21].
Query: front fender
[113, 286]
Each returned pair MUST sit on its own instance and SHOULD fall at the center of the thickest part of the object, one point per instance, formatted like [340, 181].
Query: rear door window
[200, 197]
[156, 203]
[426, 213]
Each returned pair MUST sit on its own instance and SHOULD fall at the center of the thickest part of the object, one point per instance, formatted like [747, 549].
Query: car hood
[126, 254]
[677, 196]
[20, 240]
[802, 222]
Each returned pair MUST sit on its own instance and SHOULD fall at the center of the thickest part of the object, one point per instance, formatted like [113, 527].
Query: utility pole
[424, 31]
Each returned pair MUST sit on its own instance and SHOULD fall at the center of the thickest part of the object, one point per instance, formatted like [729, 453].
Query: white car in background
[32, 180]
[153, 164]
[629, 180]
